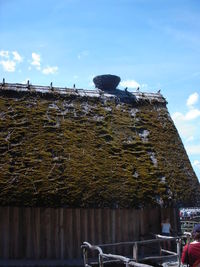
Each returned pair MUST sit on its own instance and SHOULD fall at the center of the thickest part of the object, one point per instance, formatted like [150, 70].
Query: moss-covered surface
[77, 152]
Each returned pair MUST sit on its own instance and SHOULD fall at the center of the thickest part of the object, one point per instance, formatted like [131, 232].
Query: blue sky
[151, 43]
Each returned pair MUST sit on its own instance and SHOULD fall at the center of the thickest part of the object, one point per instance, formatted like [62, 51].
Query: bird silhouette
[138, 89]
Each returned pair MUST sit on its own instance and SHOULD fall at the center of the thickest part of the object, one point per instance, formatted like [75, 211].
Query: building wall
[57, 233]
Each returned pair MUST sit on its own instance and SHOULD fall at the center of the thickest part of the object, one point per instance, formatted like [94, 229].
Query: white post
[100, 260]
[178, 246]
[135, 251]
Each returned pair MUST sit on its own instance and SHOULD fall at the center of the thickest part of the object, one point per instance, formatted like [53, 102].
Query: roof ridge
[138, 95]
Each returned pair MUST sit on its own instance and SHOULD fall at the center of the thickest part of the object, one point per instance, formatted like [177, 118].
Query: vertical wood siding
[47, 233]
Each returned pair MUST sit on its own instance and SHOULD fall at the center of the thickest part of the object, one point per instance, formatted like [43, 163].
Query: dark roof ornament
[106, 82]
[28, 84]
[51, 86]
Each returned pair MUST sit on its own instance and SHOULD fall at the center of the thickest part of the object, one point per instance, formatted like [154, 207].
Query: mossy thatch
[75, 151]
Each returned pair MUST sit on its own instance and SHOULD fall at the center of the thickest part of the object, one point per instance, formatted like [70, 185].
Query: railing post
[100, 260]
[135, 251]
[178, 246]
[160, 248]
[85, 256]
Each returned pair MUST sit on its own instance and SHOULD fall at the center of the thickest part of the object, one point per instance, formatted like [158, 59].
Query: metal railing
[103, 256]
[28, 87]
[134, 261]
[188, 225]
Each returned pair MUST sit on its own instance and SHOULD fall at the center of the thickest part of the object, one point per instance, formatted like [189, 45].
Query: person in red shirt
[191, 252]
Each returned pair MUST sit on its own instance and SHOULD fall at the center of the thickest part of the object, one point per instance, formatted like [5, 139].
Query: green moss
[90, 153]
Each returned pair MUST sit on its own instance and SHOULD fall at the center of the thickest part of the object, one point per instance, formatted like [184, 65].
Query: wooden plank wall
[47, 233]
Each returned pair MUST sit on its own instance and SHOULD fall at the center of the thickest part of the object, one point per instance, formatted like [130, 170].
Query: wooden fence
[47, 233]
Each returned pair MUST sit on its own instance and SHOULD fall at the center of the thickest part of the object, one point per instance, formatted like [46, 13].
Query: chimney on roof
[106, 82]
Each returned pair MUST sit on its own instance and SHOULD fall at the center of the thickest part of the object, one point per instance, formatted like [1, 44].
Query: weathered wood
[98, 223]
[91, 225]
[48, 233]
[61, 233]
[5, 230]
[15, 233]
[126, 231]
[77, 234]
[118, 227]
[84, 223]
[107, 227]
[57, 233]
[28, 229]
[68, 232]
[37, 232]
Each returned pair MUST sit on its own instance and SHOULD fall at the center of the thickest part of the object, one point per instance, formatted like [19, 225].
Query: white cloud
[36, 60]
[10, 60]
[192, 114]
[193, 149]
[185, 127]
[188, 127]
[4, 54]
[130, 84]
[83, 54]
[16, 56]
[49, 70]
[190, 138]
[196, 163]
[192, 99]
[144, 86]
[8, 65]
[178, 116]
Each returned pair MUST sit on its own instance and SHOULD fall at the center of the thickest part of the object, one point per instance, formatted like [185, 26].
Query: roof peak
[96, 93]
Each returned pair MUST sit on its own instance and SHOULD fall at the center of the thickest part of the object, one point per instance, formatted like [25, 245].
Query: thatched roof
[81, 148]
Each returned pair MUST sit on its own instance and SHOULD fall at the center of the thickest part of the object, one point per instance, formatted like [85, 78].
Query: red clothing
[194, 254]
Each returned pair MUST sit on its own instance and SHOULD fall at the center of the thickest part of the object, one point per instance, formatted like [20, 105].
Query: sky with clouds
[153, 44]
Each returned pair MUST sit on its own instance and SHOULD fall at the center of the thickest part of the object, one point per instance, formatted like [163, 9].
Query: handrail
[92, 247]
[161, 237]
[102, 255]
[134, 261]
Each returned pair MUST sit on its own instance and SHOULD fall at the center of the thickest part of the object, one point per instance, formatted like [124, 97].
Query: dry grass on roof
[78, 152]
